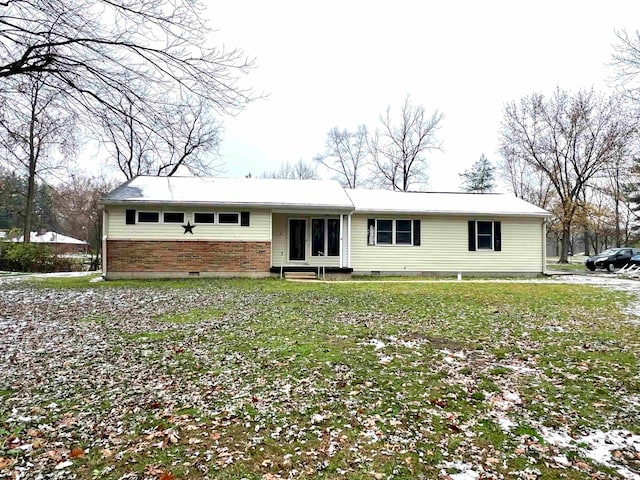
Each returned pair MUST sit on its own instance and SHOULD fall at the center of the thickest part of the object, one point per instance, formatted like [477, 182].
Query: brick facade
[146, 256]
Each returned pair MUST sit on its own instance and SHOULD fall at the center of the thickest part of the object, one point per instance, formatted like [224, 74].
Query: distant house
[195, 226]
[59, 243]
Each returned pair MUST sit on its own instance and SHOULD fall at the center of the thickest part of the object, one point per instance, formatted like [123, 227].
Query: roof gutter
[455, 214]
[266, 205]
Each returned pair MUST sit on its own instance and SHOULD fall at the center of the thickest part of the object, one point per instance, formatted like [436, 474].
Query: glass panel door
[297, 239]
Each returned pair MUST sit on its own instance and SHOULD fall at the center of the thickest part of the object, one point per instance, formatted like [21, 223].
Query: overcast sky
[341, 63]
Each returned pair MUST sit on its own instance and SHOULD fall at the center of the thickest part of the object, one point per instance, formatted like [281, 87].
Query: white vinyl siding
[280, 243]
[445, 247]
[259, 228]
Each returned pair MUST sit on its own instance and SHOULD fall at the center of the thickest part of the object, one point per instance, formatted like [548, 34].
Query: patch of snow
[465, 471]
[377, 344]
[562, 460]
[384, 359]
[523, 370]
[370, 435]
[316, 418]
[511, 397]
[505, 423]
[599, 446]
[63, 465]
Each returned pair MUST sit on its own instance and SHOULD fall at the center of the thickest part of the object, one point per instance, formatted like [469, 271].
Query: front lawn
[271, 379]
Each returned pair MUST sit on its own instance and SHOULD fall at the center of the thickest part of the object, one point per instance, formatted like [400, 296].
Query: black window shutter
[416, 233]
[244, 219]
[497, 237]
[371, 231]
[472, 235]
[130, 217]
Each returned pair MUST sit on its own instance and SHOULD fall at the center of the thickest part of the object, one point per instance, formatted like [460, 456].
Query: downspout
[105, 227]
[341, 238]
[349, 240]
[544, 246]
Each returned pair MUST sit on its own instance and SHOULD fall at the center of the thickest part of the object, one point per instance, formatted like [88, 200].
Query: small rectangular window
[130, 217]
[229, 218]
[199, 217]
[403, 232]
[148, 217]
[173, 217]
[384, 232]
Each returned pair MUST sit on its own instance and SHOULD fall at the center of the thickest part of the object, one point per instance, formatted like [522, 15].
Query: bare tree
[128, 67]
[346, 155]
[33, 125]
[626, 62]
[398, 149]
[300, 170]
[162, 140]
[525, 181]
[569, 138]
[79, 210]
[91, 50]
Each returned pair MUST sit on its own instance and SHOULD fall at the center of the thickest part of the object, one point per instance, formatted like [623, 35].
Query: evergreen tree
[12, 199]
[480, 178]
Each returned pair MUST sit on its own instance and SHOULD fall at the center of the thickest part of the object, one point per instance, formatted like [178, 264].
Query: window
[148, 217]
[393, 232]
[384, 232]
[317, 237]
[173, 217]
[403, 232]
[333, 237]
[325, 232]
[200, 217]
[229, 218]
[130, 217]
[484, 235]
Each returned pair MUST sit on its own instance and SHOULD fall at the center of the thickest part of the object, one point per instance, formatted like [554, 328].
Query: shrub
[31, 257]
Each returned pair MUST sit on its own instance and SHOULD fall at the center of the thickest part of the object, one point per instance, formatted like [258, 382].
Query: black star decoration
[188, 228]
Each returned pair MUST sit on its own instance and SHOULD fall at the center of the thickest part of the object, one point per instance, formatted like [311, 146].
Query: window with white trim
[325, 237]
[173, 217]
[226, 218]
[148, 217]
[204, 217]
[393, 232]
[485, 235]
[384, 232]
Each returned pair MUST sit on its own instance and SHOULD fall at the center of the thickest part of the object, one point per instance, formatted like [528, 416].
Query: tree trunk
[31, 184]
[617, 220]
[564, 244]
[586, 242]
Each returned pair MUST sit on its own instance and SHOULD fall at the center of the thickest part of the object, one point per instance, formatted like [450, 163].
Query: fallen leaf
[76, 453]
[583, 466]
[166, 476]
[106, 453]
[5, 462]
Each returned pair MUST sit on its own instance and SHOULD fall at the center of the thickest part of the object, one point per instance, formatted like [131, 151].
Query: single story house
[199, 226]
[59, 243]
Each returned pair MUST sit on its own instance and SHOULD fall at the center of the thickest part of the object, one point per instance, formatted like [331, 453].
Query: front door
[297, 239]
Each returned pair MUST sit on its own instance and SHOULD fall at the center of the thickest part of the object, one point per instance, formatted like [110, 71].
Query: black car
[635, 260]
[612, 258]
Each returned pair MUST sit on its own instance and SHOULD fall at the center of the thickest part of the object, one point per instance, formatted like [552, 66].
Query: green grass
[291, 376]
